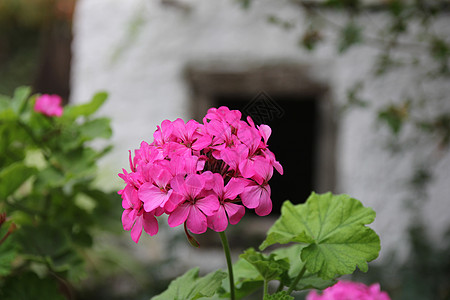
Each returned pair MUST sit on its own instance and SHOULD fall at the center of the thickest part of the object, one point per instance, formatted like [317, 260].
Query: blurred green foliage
[51, 207]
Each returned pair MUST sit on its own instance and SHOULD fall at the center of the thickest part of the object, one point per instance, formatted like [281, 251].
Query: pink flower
[227, 211]
[347, 290]
[202, 175]
[49, 105]
[257, 193]
[134, 217]
[196, 203]
[156, 193]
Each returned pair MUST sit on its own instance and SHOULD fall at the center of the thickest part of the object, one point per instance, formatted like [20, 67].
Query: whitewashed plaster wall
[136, 50]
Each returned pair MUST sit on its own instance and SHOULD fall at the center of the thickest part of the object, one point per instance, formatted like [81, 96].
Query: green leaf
[395, 116]
[98, 128]
[309, 280]
[12, 177]
[252, 269]
[333, 230]
[269, 267]
[247, 280]
[279, 296]
[87, 108]
[191, 286]
[78, 164]
[245, 4]
[439, 48]
[5, 102]
[30, 286]
[43, 240]
[71, 263]
[354, 98]
[7, 114]
[20, 98]
[7, 255]
[350, 35]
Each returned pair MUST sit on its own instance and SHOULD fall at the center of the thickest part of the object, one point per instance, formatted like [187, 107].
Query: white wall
[137, 49]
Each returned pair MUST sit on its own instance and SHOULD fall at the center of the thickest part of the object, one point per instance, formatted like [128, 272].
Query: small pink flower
[49, 105]
[347, 290]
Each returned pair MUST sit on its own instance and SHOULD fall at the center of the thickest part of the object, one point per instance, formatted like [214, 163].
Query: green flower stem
[296, 280]
[266, 289]
[226, 249]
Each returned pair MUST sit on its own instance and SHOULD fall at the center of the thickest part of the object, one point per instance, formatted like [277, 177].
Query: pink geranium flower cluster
[49, 105]
[200, 175]
[347, 290]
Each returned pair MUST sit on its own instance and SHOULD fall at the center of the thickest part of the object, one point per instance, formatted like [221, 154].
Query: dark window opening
[293, 142]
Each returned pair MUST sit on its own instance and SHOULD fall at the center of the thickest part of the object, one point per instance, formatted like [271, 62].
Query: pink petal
[250, 121]
[131, 196]
[202, 142]
[235, 212]
[179, 128]
[159, 211]
[194, 184]
[152, 196]
[234, 187]
[251, 195]
[179, 215]
[125, 204]
[160, 176]
[49, 105]
[278, 167]
[137, 230]
[269, 154]
[190, 164]
[234, 156]
[174, 200]
[163, 133]
[127, 221]
[208, 205]
[262, 168]
[58, 111]
[265, 132]
[217, 184]
[200, 165]
[246, 167]
[265, 204]
[221, 131]
[196, 221]
[177, 184]
[250, 137]
[180, 150]
[219, 221]
[150, 224]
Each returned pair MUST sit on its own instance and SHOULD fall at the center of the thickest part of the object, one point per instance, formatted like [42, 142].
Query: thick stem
[296, 280]
[226, 249]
